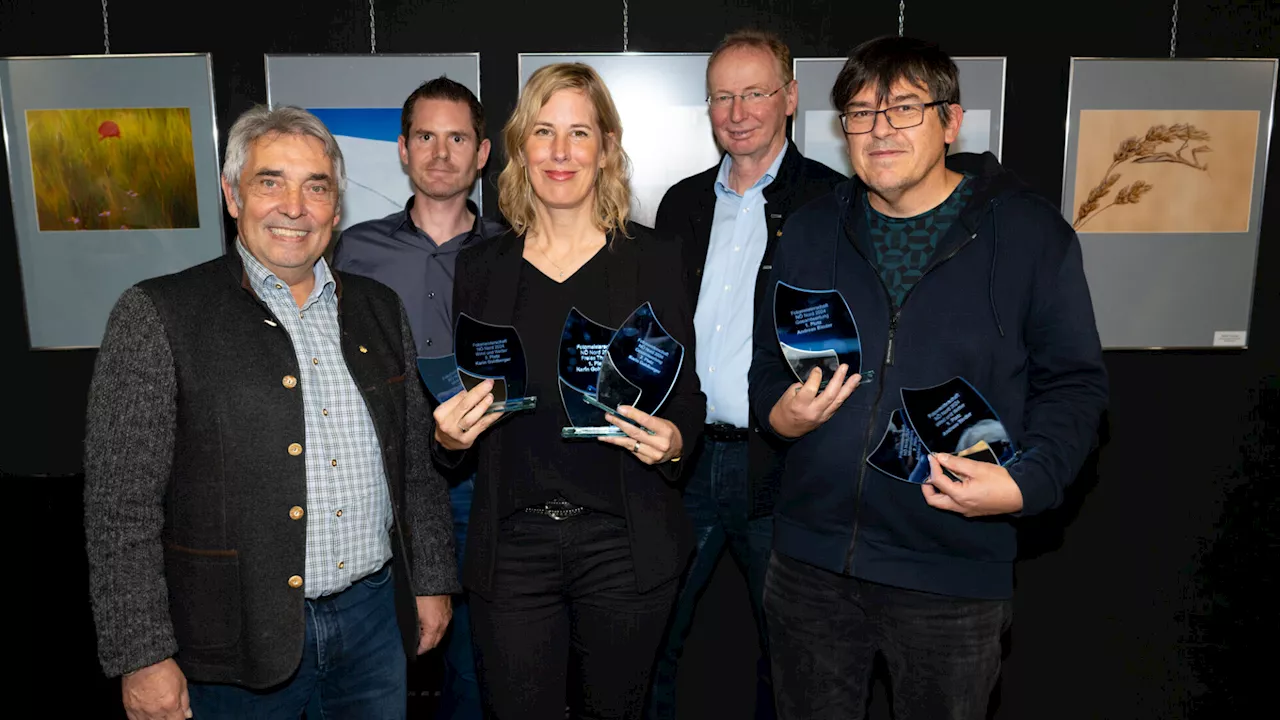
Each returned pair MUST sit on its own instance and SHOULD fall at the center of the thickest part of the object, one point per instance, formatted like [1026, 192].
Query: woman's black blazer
[644, 266]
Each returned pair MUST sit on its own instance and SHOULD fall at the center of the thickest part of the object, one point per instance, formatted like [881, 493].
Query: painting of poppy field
[113, 169]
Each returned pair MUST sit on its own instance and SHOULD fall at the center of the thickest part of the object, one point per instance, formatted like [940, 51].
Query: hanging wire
[1173, 31]
[106, 30]
[626, 23]
[902, 15]
[373, 32]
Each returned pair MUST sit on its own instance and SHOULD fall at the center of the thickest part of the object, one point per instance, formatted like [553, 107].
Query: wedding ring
[636, 449]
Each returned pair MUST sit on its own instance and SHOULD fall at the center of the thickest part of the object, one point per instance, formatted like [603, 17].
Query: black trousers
[563, 624]
[943, 653]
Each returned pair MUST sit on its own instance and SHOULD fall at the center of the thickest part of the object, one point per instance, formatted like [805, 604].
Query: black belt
[558, 509]
[724, 432]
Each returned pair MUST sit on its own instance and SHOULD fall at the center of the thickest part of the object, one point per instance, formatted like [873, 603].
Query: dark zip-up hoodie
[1004, 304]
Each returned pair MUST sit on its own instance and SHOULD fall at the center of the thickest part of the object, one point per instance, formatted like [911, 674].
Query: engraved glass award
[440, 375]
[816, 329]
[900, 454]
[583, 345]
[492, 352]
[640, 366]
[954, 418]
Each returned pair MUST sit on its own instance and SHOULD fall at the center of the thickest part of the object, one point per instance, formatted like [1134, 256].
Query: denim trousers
[716, 499]
[563, 624]
[460, 691]
[942, 652]
[353, 665]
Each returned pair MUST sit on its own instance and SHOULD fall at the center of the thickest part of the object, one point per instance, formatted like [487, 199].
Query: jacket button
[364, 349]
[296, 512]
[289, 381]
[295, 581]
[295, 449]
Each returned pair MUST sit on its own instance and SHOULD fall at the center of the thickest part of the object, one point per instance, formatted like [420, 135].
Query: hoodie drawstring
[991, 278]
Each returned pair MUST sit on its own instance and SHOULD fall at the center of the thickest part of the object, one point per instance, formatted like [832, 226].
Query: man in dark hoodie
[952, 268]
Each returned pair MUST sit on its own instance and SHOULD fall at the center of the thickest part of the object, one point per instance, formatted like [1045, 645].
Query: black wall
[1143, 598]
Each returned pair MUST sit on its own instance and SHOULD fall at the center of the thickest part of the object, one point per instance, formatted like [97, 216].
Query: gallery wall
[1142, 598]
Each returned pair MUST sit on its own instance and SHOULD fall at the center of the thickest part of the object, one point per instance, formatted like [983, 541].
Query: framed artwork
[1163, 182]
[114, 178]
[360, 98]
[817, 124]
[666, 128]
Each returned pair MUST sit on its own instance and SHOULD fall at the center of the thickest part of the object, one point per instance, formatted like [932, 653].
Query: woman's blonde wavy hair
[613, 194]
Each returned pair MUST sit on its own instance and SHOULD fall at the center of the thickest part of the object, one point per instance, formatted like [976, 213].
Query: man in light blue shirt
[729, 219]
[738, 239]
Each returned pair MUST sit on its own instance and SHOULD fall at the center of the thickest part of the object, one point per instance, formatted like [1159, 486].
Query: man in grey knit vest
[266, 533]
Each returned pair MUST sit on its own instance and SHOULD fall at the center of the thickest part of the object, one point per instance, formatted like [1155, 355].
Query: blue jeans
[353, 664]
[460, 694]
[942, 652]
[716, 501]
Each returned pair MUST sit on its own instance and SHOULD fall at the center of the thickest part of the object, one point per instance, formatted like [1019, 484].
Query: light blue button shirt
[726, 302]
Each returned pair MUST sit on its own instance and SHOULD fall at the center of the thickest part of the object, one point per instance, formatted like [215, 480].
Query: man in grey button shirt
[443, 149]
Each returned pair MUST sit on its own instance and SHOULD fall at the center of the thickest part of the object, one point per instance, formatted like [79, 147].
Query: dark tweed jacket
[189, 483]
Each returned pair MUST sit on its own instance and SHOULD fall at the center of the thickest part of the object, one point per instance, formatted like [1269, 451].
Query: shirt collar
[406, 221]
[265, 281]
[726, 164]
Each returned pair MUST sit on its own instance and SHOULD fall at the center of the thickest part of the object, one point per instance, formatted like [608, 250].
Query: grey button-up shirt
[398, 254]
[348, 505]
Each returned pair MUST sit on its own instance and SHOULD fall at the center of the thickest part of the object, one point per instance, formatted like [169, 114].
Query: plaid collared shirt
[348, 509]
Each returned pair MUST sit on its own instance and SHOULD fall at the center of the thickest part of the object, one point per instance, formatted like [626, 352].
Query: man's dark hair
[442, 88]
[885, 60]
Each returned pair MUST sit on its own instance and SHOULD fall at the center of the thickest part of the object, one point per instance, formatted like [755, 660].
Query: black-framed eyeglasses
[899, 117]
[755, 97]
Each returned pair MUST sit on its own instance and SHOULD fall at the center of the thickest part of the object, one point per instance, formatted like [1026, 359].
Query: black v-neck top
[541, 464]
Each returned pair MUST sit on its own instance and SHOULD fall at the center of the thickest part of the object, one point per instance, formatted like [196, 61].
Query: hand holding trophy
[483, 378]
[612, 381]
[819, 340]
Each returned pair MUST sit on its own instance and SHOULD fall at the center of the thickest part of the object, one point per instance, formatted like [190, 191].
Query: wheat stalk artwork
[1154, 147]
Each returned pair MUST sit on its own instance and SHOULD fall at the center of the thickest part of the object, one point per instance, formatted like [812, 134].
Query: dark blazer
[195, 508]
[687, 211]
[645, 266]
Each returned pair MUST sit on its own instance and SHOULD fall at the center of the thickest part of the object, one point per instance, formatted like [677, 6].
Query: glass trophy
[583, 345]
[816, 329]
[900, 454]
[639, 368]
[492, 352]
[954, 418]
[440, 375]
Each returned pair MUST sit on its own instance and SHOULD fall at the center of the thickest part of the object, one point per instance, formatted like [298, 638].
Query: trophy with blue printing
[900, 453]
[440, 375]
[815, 328]
[492, 352]
[638, 368]
[950, 417]
[583, 345]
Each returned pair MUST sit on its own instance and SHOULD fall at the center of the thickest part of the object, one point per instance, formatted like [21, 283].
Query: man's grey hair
[261, 121]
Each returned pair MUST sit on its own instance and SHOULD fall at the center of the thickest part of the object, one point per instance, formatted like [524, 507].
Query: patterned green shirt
[904, 246]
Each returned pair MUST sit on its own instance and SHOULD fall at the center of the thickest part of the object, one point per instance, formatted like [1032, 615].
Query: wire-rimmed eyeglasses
[755, 97]
[900, 117]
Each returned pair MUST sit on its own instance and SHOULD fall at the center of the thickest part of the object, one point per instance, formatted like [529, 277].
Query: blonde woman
[576, 548]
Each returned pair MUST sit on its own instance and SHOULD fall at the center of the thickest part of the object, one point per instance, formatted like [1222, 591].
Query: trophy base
[525, 403]
[572, 433]
[601, 406]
